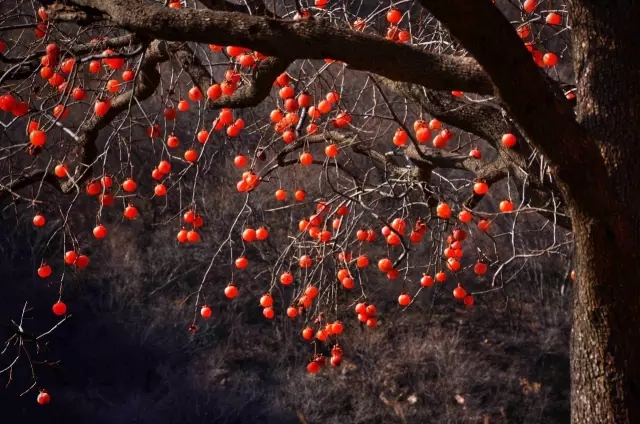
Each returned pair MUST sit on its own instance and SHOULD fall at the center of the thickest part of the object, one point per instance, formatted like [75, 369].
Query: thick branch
[304, 39]
[546, 119]
[255, 7]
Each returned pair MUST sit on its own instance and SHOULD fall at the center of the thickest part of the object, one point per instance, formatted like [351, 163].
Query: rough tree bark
[595, 158]
[605, 342]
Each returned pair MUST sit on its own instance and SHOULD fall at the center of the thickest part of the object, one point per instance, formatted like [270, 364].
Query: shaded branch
[545, 117]
[303, 39]
[255, 7]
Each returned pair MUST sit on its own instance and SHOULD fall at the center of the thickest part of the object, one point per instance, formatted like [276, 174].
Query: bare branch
[86, 148]
[247, 95]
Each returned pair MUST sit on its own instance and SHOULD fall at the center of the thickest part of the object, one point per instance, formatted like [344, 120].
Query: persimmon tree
[404, 116]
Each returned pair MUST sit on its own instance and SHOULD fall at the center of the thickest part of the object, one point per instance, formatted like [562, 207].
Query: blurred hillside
[126, 355]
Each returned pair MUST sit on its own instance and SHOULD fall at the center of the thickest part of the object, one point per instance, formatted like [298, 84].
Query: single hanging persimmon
[362, 261]
[332, 97]
[106, 181]
[231, 291]
[156, 174]
[266, 300]
[70, 257]
[480, 268]
[193, 236]
[262, 233]
[423, 135]
[59, 308]
[61, 170]
[404, 299]
[550, 59]
[100, 231]
[183, 106]
[182, 236]
[529, 5]
[240, 161]
[268, 312]
[331, 150]
[101, 107]
[286, 278]
[465, 216]
[443, 210]
[94, 66]
[484, 225]
[313, 366]
[553, 19]
[453, 264]
[348, 283]
[43, 398]
[82, 261]
[112, 62]
[130, 212]
[44, 271]
[214, 92]
[128, 75]
[160, 190]
[249, 235]
[305, 261]
[426, 281]
[191, 156]
[129, 185]
[195, 94]
[394, 16]
[506, 206]
[205, 311]
[203, 136]
[371, 310]
[241, 262]
[480, 188]
[37, 138]
[39, 220]
[509, 140]
[459, 292]
[292, 312]
[198, 222]
[306, 159]
[385, 265]
[324, 106]
[400, 137]
[106, 199]
[164, 167]
[189, 216]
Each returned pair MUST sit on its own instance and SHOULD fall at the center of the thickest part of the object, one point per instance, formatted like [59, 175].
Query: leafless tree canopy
[380, 143]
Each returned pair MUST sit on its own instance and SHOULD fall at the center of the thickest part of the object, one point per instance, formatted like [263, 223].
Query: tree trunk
[605, 339]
